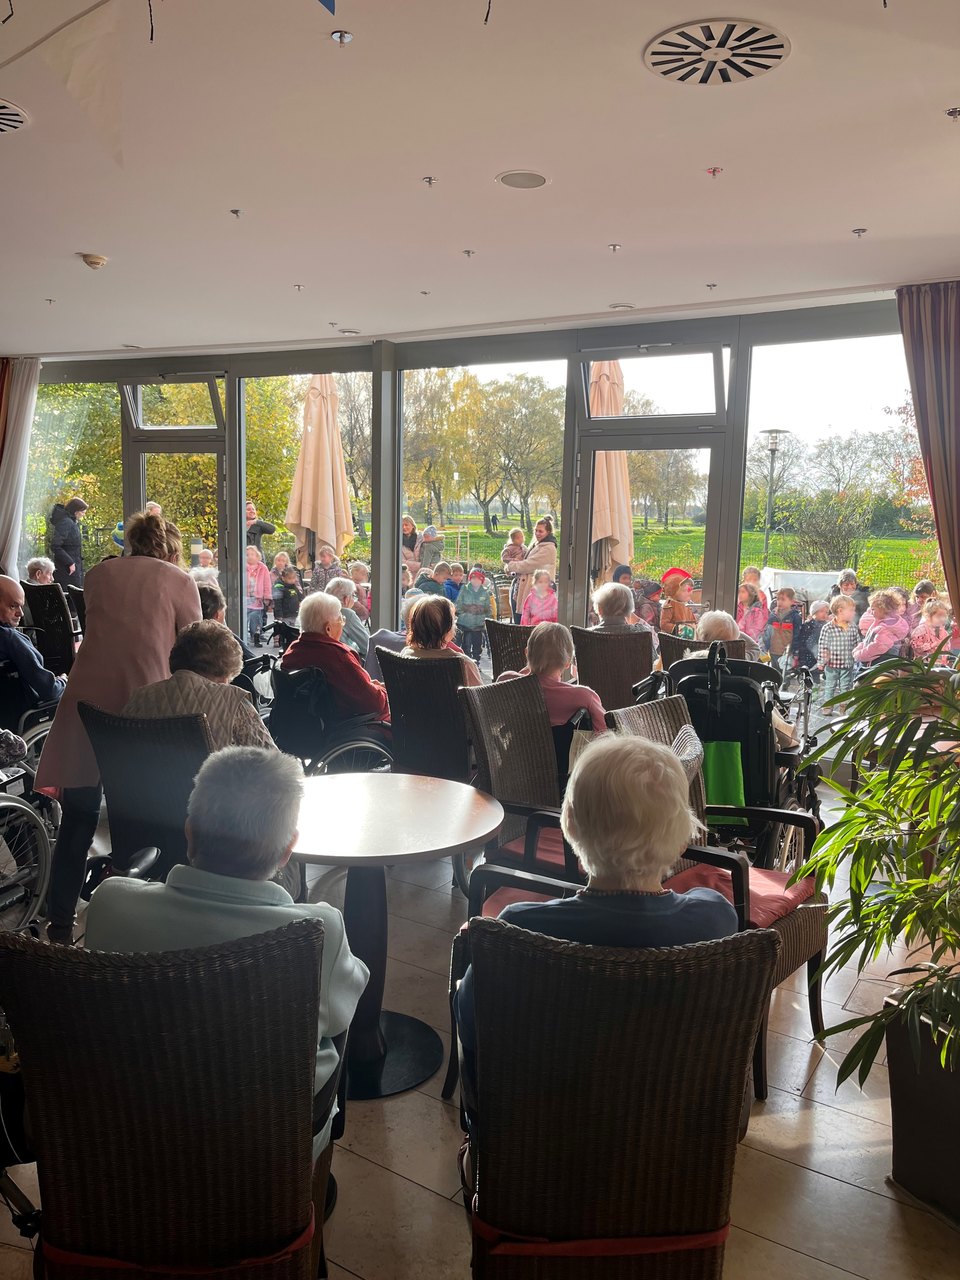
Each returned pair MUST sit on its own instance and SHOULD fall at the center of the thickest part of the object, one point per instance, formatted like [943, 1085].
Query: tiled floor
[811, 1200]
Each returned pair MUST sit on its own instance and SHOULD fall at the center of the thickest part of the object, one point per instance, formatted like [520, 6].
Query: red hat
[675, 573]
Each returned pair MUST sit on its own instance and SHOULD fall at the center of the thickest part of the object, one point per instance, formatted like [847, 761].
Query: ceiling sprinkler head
[93, 260]
[49, 301]
[299, 288]
[425, 293]
[342, 38]
[715, 171]
[614, 247]
[953, 113]
[859, 232]
[469, 253]
[429, 180]
[711, 286]
[237, 213]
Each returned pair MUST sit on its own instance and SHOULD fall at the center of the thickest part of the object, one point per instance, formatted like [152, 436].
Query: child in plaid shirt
[838, 639]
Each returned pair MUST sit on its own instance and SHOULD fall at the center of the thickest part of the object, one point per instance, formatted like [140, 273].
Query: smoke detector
[12, 117]
[93, 260]
[716, 51]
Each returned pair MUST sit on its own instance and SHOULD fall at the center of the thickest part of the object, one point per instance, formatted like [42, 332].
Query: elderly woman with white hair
[355, 633]
[319, 645]
[614, 605]
[549, 654]
[719, 625]
[40, 570]
[626, 812]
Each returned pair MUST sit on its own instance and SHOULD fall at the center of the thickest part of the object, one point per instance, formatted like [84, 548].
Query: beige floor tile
[750, 1257]
[844, 1226]
[790, 1014]
[419, 945]
[338, 1273]
[791, 1062]
[433, 1086]
[25, 1176]
[431, 875]
[868, 995]
[872, 1102]
[825, 1139]
[15, 1264]
[418, 992]
[388, 1228]
[408, 1134]
[442, 909]
[835, 989]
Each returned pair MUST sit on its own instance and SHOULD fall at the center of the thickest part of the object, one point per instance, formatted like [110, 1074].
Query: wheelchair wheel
[24, 863]
[360, 756]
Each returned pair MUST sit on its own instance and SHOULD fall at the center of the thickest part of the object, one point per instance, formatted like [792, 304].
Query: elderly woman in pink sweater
[549, 654]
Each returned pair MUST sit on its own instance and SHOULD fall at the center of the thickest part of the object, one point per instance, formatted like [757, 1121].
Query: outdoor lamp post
[773, 435]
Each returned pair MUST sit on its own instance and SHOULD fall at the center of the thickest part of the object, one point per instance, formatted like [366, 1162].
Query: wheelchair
[303, 723]
[733, 701]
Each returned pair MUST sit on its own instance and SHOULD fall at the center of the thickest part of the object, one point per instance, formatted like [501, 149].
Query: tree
[832, 532]
[478, 426]
[429, 459]
[531, 422]
[847, 462]
[790, 471]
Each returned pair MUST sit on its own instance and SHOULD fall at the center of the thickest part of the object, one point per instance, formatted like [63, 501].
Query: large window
[482, 453]
[833, 468]
[74, 452]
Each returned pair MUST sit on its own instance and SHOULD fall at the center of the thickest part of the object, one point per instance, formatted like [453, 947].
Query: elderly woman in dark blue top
[626, 812]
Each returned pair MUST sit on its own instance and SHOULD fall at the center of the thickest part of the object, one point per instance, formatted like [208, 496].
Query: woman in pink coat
[135, 605]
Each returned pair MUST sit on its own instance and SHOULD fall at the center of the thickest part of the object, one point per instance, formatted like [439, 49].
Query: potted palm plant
[899, 840]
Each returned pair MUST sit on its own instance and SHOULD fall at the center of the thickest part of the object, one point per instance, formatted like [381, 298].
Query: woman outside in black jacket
[66, 546]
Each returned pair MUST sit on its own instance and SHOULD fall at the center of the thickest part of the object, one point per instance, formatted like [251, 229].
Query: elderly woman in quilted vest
[204, 660]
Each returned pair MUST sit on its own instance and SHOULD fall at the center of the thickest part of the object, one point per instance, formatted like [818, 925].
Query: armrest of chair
[141, 864]
[738, 864]
[538, 818]
[789, 817]
[486, 878]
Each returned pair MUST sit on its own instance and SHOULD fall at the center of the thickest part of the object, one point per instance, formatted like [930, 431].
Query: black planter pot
[925, 1108]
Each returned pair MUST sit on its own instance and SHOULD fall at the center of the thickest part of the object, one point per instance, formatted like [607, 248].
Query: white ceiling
[247, 103]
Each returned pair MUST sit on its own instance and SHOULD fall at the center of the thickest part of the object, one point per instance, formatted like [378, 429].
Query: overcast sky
[812, 388]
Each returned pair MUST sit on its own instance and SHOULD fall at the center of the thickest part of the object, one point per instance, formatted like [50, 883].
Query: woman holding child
[541, 554]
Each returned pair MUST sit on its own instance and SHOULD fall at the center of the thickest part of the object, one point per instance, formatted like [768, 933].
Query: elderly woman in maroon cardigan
[319, 645]
[135, 606]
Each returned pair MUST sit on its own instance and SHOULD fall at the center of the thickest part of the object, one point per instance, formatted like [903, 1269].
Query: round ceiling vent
[716, 51]
[12, 117]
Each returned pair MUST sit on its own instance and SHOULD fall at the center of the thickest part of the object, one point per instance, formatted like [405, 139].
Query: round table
[369, 821]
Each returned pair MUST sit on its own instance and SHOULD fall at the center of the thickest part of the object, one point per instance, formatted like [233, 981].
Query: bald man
[40, 684]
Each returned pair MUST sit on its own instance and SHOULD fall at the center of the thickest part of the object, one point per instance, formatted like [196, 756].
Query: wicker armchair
[618, 1071]
[611, 664]
[54, 631]
[147, 767]
[429, 731]
[803, 930]
[508, 646]
[178, 1135]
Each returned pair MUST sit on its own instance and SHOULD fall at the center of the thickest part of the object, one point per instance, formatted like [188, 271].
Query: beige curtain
[19, 380]
[612, 512]
[320, 495]
[930, 322]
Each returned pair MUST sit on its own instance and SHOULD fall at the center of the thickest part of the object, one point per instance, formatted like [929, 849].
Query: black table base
[413, 1052]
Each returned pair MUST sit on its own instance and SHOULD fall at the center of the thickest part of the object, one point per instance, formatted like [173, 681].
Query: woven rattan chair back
[179, 1132]
[429, 731]
[662, 721]
[147, 767]
[610, 1085]
[56, 635]
[508, 646]
[611, 664]
[511, 734]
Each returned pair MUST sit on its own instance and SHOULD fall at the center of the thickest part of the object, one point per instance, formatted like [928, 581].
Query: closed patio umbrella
[320, 495]
[612, 533]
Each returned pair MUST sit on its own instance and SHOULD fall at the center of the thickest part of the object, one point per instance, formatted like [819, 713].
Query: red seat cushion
[507, 897]
[549, 847]
[771, 897]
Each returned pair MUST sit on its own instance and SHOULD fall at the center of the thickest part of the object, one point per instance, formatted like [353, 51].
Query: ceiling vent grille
[12, 117]
[716, 51]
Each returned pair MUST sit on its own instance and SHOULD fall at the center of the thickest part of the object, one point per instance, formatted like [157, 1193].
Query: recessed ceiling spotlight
[859, 232]
[429, 180]
[469, 253]
[521, 179]
[342, 38]
[622, 306]
[614, 248]
[350, 333]
[93, 260]
[953, 113]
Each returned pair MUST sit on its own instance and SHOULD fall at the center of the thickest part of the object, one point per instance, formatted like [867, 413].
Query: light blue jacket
[198, 909]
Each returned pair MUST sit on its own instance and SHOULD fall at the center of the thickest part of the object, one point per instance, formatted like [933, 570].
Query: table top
[377, 819]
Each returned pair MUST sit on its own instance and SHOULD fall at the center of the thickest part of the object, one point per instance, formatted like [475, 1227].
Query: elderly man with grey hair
[40, 570]
[241, 829]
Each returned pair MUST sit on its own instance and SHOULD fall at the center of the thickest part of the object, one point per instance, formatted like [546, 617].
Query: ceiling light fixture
[521, 179]
[350, 333]
[716, 51]
[621, 306]
[859, 232]
[93, 260]
[953, 113]
[342, 38]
